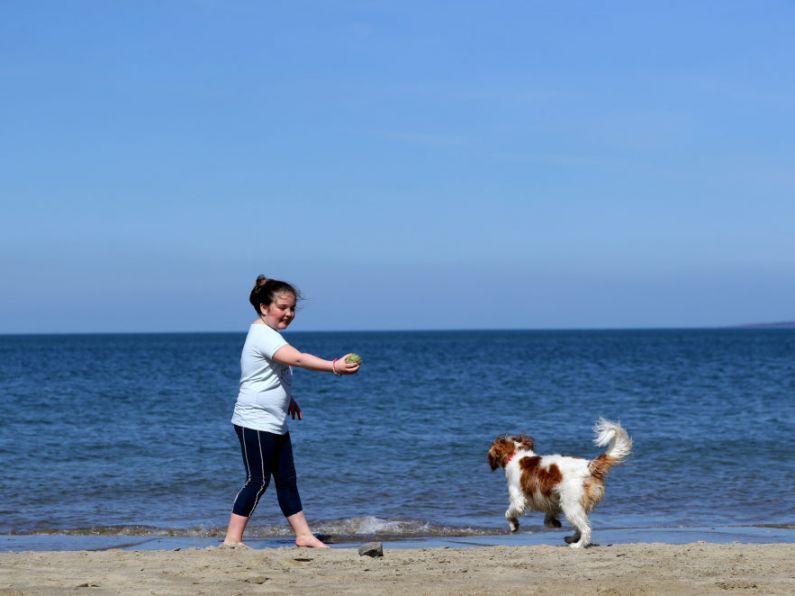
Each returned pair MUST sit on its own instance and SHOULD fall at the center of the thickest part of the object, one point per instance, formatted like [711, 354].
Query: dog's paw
[513, 524]
[552, 522]
[571, 540]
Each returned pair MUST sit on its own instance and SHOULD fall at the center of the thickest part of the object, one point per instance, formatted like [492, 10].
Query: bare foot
[226, 544]
[309, 541]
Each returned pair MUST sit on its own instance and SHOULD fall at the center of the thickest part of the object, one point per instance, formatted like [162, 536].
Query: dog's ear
[494, 461]
[501, 449]
[525, 441]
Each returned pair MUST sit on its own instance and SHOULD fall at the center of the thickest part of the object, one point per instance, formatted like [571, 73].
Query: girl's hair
[266, 289]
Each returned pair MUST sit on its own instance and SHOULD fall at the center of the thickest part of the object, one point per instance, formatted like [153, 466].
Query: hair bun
[265, 289]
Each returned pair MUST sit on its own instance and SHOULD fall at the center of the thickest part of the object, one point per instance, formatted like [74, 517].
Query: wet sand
[696, 568]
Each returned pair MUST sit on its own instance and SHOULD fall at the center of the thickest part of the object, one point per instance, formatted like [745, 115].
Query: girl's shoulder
[264, 340]
[260, 331]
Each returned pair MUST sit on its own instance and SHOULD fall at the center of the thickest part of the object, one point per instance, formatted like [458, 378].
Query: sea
[125, 441]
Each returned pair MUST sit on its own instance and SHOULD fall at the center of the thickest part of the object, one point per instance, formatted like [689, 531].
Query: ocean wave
[332, 531]
[375, 526]
[355, 527]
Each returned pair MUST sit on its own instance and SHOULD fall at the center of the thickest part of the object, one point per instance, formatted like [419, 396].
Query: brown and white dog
[555, 484]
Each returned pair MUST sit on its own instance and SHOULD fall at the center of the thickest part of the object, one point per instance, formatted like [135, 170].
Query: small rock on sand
[372, 549]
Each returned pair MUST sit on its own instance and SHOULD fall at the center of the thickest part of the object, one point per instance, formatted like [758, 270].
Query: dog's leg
[517, 507]
[579, 519]
[551, 520]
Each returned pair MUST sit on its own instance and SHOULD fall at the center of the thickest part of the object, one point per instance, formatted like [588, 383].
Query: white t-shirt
[266, 386]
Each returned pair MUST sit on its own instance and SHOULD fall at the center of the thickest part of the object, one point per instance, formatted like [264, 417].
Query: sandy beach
[697, 568]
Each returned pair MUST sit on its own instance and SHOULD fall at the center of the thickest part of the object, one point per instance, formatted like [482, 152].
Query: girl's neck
[261, 321]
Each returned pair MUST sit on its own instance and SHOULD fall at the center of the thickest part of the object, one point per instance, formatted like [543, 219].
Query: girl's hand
[346, 368]
[293, 410]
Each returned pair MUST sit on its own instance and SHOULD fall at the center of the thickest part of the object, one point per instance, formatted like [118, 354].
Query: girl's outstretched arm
[289, 356]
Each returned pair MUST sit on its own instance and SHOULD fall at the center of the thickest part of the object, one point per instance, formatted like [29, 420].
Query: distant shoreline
[748, 326]
[779, 325]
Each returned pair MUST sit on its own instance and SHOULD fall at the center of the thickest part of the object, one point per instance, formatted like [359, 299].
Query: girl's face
[280, 313]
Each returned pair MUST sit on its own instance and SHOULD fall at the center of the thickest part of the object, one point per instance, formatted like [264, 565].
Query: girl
[263, 404]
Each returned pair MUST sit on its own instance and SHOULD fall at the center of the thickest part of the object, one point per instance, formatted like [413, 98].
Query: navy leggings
[265, 454]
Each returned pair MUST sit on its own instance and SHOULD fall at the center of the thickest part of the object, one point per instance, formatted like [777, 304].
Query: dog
[555, 484]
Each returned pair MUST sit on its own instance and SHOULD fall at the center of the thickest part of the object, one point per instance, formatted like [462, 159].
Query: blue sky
[408, 165]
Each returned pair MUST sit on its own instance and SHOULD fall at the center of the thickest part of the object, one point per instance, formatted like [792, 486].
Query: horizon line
[746, 326]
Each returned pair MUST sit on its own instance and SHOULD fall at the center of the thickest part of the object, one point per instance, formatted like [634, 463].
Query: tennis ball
[354, 359]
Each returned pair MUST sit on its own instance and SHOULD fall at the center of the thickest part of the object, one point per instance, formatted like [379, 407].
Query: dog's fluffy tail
[619, 446]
